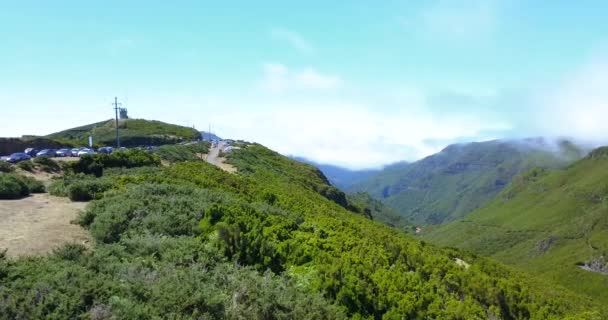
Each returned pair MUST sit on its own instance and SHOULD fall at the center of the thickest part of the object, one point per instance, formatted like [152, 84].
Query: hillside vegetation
[461, 178]
[380, 212]
[553, 223]
[133, 132]
[273, 242]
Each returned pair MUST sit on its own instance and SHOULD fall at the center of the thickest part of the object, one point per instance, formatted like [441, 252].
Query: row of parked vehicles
[52, 153]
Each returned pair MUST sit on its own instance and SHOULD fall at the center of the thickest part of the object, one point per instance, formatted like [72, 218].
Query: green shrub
[26, 165]
[175, 153]
[94, 164]
[87, 190]
[6, 167]
[47, 164]
[33, 185]
[70, 251]
[59, 187]
[12, 187]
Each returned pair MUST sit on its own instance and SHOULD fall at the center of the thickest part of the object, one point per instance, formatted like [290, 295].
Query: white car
[86, 151]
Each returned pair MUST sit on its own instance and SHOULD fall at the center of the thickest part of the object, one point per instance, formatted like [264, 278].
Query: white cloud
[347, 133]
[460, 20]
[279, 78]
[293, 39]
[578, 106]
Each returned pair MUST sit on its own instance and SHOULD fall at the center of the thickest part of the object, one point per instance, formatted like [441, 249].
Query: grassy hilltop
[133, 132]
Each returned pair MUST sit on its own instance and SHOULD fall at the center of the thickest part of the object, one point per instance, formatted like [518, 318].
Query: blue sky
[353, 83]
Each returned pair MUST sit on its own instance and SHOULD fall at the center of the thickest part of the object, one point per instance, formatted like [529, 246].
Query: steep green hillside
[133, 132]
[448, 185]
[546, 222]
[381, 212]
[377, 183]
[191, 241]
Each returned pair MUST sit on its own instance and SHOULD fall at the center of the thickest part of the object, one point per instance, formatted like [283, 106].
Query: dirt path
[214, 158]
[38, 224]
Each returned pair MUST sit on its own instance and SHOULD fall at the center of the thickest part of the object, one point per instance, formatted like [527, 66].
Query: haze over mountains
[340, 177]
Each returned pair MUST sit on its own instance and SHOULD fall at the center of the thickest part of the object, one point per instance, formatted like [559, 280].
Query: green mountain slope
[448, 185]
[274, 241]
[546, 222]
[133, 132]
[380, 212]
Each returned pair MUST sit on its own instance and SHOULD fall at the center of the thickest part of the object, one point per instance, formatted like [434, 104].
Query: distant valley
[341, 177]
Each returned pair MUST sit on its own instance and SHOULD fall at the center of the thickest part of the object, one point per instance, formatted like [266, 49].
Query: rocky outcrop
[599, 265]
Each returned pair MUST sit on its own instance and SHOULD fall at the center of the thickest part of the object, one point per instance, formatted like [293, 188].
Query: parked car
[18, 157]
[64, 152]
[4, 158]
[105, 150]
[74, 152]
[47, 153]
[31, 152]
[86, 151]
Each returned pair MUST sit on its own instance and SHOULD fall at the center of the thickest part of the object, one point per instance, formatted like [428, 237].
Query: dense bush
[33, 185]
[47, 164]
[94, 164]
[12, 187]
[59, 187]
[87, 190]
[151, 277]
[175, 153]
[26, 165]
[6, 167]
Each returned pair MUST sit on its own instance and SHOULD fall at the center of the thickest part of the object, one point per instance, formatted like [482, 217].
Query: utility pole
[116, 105]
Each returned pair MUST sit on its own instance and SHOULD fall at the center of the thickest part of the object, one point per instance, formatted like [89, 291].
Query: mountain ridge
[462, 177]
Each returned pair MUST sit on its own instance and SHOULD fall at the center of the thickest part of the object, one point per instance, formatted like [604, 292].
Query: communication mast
[117, 108]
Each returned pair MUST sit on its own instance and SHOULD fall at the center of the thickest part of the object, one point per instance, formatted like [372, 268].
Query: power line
[117, 105]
